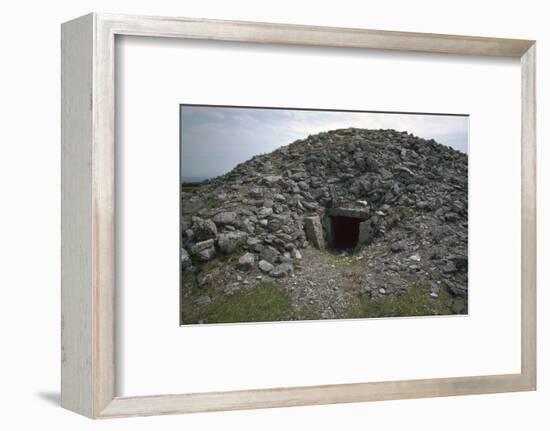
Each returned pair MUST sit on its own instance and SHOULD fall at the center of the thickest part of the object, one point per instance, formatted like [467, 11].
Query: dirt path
[325, 284]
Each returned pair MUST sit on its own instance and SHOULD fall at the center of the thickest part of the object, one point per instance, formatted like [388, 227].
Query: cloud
[215, 139]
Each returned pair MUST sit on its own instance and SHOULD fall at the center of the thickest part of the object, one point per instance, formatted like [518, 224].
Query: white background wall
[29, 216]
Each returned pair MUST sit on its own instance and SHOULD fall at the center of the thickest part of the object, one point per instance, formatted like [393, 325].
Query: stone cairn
[272, 206]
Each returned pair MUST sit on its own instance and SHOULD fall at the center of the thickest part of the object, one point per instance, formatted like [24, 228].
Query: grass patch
[189, 187]
[187, 278]
[308, 312]
[210, 203]
[413, 302]
[267, 302]
[210, 265]
[188, 283]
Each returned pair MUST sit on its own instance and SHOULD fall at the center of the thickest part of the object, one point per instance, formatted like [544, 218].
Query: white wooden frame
[88, 215]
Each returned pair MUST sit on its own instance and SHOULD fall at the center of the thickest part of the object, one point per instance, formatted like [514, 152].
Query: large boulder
[398, 246]
[229, 241]
[265, 266]
[269, 254]
[265, 212]
[204, 250]
[256, 193]
[245, 263]
[204, 229]
[226, 218]
[271, 180]
[282, 270]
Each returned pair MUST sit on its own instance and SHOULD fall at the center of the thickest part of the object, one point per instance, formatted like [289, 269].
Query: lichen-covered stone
[225, 218]
[228, 242]
[204, 250]
[282, 270]
[265, 266]
[314, 231]
[185, 259]
[204, 229]
[366, 233]
[246, 262]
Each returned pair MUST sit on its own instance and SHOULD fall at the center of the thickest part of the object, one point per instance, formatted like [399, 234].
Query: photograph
[301, 214]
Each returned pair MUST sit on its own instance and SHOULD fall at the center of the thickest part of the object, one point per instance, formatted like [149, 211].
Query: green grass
[187, 278]
[212, 203]
[413, 302]
[207, 204]
[265, 303]
[189, 187]
[210, 265]
[308, 312]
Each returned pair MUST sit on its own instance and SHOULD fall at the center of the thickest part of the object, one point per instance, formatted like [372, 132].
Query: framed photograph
[355, 218]
[265, 215]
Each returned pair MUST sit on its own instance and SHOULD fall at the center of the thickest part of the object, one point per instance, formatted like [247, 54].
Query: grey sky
[215, 139]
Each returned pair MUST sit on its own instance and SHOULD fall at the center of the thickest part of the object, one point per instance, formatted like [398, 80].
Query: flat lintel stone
[359, 213]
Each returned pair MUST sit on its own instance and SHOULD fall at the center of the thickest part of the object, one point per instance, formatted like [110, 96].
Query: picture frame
[88, 206]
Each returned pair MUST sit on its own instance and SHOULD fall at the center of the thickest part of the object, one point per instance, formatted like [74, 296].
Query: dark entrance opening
[344, 232]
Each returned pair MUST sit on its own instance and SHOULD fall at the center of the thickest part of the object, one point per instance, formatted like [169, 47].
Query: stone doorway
[344, 232]
[342, 228]
[347, 228]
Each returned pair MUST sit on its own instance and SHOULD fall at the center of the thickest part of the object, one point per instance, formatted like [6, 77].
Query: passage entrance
[344, 232]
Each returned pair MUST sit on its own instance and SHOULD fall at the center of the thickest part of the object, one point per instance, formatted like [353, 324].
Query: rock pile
[410, 194]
